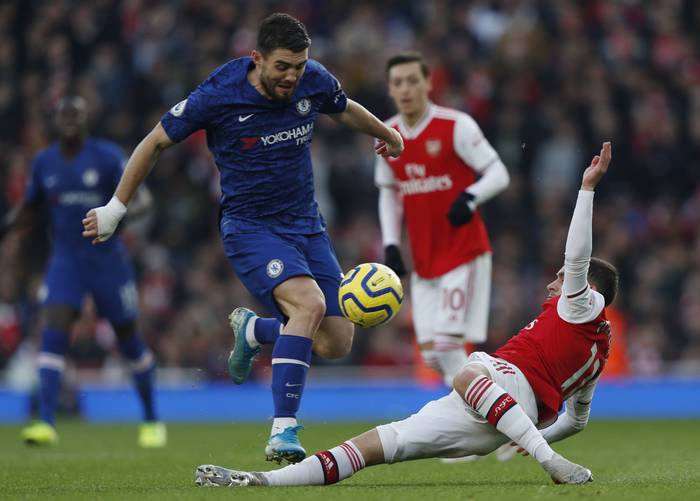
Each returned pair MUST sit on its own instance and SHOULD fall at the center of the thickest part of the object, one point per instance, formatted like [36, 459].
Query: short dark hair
[409, 56]
[282, 31]
[605, 277]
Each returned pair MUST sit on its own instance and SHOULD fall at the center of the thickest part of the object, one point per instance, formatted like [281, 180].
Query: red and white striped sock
[326, 467]
[501, 410]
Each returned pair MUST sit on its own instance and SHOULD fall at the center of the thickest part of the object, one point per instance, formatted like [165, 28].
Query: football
[370, 294]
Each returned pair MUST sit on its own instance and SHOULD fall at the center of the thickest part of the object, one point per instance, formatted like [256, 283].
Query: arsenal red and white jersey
[442, 156]
[559, 357]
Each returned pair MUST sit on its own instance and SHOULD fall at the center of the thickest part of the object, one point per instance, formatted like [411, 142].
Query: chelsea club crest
[275, 268]
[303, 106]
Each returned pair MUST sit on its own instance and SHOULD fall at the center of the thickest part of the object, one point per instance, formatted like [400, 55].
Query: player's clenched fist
[391, 148]
[100, 223]
[395, 146]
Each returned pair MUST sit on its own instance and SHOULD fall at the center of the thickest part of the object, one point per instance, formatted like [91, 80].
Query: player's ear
[257, 57]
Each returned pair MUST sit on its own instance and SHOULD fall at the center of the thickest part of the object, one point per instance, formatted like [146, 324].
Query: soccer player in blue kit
[259, 115]
[70, 176]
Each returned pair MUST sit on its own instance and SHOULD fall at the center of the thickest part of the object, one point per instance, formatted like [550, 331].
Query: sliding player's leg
[325, 467]
[500, 394]
[442, 428]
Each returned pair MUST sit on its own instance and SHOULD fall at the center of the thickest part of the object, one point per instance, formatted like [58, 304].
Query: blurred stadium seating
[547, 81]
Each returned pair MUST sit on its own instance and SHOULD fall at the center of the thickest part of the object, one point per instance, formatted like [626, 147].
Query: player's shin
[290, 363]
[54, 344]
[142, 365]
[326, 467]
[501, 410]
[450, 355]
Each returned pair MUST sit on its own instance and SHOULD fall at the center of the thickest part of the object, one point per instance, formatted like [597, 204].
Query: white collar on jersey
[415, 131]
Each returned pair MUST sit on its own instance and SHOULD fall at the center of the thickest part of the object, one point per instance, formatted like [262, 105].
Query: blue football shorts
[263, 260]
[107, 276]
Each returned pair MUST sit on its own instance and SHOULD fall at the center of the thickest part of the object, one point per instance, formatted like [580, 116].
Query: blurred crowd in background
[547, 82]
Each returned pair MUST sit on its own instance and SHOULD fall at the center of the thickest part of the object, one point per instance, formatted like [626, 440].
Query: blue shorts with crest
[263, 260]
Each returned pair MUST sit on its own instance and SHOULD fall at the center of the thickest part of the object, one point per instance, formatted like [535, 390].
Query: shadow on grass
[473, 483]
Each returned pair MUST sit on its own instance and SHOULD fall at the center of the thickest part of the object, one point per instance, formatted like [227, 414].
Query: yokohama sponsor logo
[301, 134]
[426, 185]
[502, 405]
[330, 467]
[91, 198]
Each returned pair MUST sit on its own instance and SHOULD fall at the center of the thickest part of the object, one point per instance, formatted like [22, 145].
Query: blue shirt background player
[70, 176]
[259, 113]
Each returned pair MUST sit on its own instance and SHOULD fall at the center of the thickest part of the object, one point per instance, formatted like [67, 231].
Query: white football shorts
[448, 428]
[454, 303]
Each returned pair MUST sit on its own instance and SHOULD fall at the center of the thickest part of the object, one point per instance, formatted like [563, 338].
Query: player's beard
[270, 87]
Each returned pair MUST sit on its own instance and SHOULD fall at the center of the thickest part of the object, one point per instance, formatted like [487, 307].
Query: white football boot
[209, 475]
[564, 471]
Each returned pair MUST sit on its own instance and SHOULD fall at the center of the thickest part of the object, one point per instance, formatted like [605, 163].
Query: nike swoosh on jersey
[242, 118]
[291, 385]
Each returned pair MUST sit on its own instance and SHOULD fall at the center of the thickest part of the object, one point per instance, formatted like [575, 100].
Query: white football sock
[501, 410]
[327, 467]
[280, 423]
[250, 333]
[451, 356]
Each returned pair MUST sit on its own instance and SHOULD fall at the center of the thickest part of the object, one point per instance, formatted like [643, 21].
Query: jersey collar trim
[416, 130]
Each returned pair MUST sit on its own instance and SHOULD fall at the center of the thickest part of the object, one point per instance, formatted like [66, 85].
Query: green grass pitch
[629, 460]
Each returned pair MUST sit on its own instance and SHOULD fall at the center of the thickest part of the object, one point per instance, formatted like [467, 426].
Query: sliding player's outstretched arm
[101, 222]
[576, 305]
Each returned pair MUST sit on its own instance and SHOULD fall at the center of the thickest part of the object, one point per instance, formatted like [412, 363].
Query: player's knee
[312, 308]
[466, 376]
[328, 350]
[332, 348]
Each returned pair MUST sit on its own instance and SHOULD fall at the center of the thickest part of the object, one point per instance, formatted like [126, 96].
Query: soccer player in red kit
[512, 395]
[447, 169]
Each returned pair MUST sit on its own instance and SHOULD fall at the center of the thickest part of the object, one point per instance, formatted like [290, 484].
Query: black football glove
[392, 258]
[462, 209]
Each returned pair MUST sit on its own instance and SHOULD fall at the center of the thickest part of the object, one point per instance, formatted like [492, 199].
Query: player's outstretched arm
[101, 222]
[579, 241]
[359, 118]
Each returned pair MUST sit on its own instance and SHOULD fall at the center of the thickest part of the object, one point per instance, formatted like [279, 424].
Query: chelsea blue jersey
[69, 187]
[261, 146]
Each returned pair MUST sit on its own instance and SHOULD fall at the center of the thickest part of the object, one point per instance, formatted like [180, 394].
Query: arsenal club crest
[433, 147]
